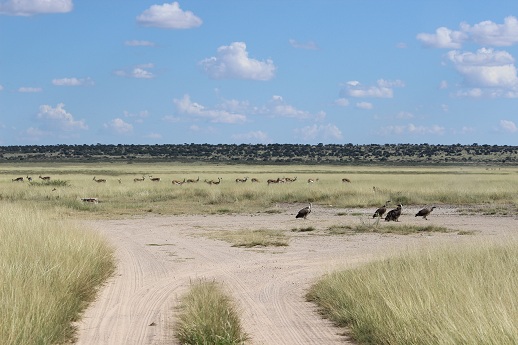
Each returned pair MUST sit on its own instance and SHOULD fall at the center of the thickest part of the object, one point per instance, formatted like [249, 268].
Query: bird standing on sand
[425, 212]
[394, 214]
[304, 212]
[381, 211]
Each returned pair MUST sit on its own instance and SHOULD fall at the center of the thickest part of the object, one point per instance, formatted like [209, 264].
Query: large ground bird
[304, 212]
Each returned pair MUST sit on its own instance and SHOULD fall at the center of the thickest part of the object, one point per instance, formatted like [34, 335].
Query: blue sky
[258, 71]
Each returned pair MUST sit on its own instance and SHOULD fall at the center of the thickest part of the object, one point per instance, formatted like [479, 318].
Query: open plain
[159, 256]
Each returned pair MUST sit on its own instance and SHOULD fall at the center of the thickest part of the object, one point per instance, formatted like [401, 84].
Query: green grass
[208, 316]
[49, 271]
[252, 238]
[450, 295]
[379, 227]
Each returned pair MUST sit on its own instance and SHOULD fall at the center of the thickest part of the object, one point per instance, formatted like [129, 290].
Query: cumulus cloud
[319, 132]
[138, 72]
[232, 62]
[278, 107]
[33, 7]
[486, 33]
[186, 106]
[508, 126]
[119, 126]
[168, 16]
[252, 137]
[59, 118]
[342, 102]
[72, 82]
[382, 89]
[364, 105]
[310, 45]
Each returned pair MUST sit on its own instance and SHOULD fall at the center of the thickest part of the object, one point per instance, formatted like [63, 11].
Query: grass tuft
[208, 316]
[252, 238]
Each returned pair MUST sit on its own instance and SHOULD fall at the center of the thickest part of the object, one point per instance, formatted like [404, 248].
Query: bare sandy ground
[158, 257]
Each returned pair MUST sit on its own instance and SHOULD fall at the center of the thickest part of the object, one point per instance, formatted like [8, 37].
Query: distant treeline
[270, 153]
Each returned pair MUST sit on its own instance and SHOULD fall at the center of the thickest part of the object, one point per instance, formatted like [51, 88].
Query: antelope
[18, 179]
[120, 181]
[287, 179]
[346, 180]
[29, 178]
[219, 181]
[101, 180]
[136, 179]
[254, 180]
[273, 181]
[178, 183]
[154, 179]
[193, 181]
[45, 178]
[310, 180]
[241, 179]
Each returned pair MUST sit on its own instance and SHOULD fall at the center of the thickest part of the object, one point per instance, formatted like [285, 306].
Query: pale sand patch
[158, 257]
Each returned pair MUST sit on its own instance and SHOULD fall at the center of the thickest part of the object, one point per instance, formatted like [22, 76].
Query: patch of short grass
[208, 316]
[304, 229]
[252, 238]
[448, 295]
[380, 228]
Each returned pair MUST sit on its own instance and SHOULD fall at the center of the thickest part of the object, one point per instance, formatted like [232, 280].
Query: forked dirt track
[158, 257]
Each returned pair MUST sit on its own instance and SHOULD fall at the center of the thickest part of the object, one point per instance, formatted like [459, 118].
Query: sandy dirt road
[159, 256]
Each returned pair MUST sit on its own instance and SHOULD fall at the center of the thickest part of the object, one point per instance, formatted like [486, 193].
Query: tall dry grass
[447, 295]
[49, 271]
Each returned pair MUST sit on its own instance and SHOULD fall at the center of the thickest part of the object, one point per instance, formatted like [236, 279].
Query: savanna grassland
[123, 194]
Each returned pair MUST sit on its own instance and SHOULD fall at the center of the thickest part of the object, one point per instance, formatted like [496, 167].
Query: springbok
[193, 181]
[136, 179]
[273, 181]
[29, 178]
[18, 179]
[45, 178]
[346, 180]
[154, 179]
[101, 180]
[242, 180]
[178, 183]
[254, 180]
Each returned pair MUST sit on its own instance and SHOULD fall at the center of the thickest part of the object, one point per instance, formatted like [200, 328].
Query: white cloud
[364, 105]
[486, 33]
[310, 45]
[277, 107]
[168, 16]
[382, 89]
[342, 102]
[33, 7]
[138, 72]
[413, 129]
[508, 126]
[26, 89]
[253, 137]
[186, 106]
[443, 38]
[314, 132]
[443, 85]
[72, 82]
[232, 62]
[1, 88]
[404, 115]
[59, 118]
[137, 43]
[119, 126]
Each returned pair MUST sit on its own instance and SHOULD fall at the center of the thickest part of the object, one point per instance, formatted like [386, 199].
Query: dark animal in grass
[304, 212]
[425, 212]
[394, 214]
[381, 211]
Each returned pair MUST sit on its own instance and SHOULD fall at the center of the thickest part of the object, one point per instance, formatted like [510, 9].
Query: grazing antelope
[241, 179]
[287, 179]
[136, 179]
[346, 180]
[92, 200]
[219, 181]
[45, 178]
[178, 183]
[18, 179]
[29, 178]
[101, 180]
[193, 181]
[254, 180]
[154, 179]
[273, 181]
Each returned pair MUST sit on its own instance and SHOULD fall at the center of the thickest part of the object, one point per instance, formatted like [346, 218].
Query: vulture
[381, 211]
[425, 212]
[304, 212]
[394, 214]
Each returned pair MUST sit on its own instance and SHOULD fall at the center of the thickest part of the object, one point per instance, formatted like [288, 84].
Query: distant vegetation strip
[271, 153]
[49, 271]
[449, 295]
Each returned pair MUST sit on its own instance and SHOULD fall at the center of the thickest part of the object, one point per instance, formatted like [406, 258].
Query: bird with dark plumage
[304, 212]
[425, 212]
[394, 214]
[381, 211]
